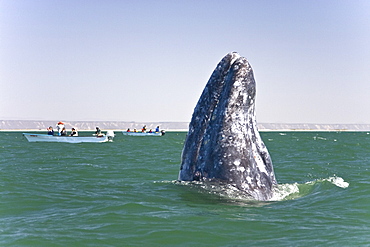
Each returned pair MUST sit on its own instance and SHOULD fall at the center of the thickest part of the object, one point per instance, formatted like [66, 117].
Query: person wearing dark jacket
[74, 132]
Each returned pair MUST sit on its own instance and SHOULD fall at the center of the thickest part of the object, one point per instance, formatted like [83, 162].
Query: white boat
[125, 133]
[69, 139]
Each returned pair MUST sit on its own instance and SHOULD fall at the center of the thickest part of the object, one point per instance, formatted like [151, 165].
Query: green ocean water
[125, 193]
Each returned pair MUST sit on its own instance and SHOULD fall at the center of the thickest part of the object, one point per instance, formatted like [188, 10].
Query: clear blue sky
[150, 60]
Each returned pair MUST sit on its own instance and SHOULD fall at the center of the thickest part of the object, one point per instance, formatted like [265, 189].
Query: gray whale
[223, 143]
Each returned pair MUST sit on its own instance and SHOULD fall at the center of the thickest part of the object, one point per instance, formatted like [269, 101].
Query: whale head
[223, 143]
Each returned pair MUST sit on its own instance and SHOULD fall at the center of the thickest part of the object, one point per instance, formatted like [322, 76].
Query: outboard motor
[110, 134]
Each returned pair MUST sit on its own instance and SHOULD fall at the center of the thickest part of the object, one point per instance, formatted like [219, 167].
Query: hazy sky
[150, 60]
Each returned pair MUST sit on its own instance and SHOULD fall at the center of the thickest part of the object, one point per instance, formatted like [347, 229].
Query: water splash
[281, 192]
[337, 181]
[285, 192]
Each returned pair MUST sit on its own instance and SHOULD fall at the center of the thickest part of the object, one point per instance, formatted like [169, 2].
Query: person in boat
[74, 132]
[135, 130]
[143, 129]
[98, 131]
[60, 126]
[63, 132]
[50, 131]
[150, 131]
[157, 129]
[128, 130]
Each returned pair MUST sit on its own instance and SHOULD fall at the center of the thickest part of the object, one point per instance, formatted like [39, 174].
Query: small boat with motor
[129, 133]
[108, 137]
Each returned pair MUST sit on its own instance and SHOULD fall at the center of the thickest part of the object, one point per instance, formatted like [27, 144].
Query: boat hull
[67, 139]
[142, 133]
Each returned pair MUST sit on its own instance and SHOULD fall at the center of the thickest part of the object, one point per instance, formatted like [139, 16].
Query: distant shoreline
[103, 130]
[183, 130]
[33, 125]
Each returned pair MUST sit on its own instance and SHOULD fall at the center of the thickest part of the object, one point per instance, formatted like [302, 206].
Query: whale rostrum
[223, 143]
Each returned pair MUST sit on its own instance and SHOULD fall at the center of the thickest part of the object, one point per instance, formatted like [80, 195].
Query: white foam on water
[338, 181]
[281, 192]
[284, 191]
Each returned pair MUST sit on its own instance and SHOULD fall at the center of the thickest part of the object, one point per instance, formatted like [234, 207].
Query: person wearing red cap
[60, 126]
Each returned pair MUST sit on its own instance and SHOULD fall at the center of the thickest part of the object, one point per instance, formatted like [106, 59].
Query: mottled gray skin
[223, 143]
